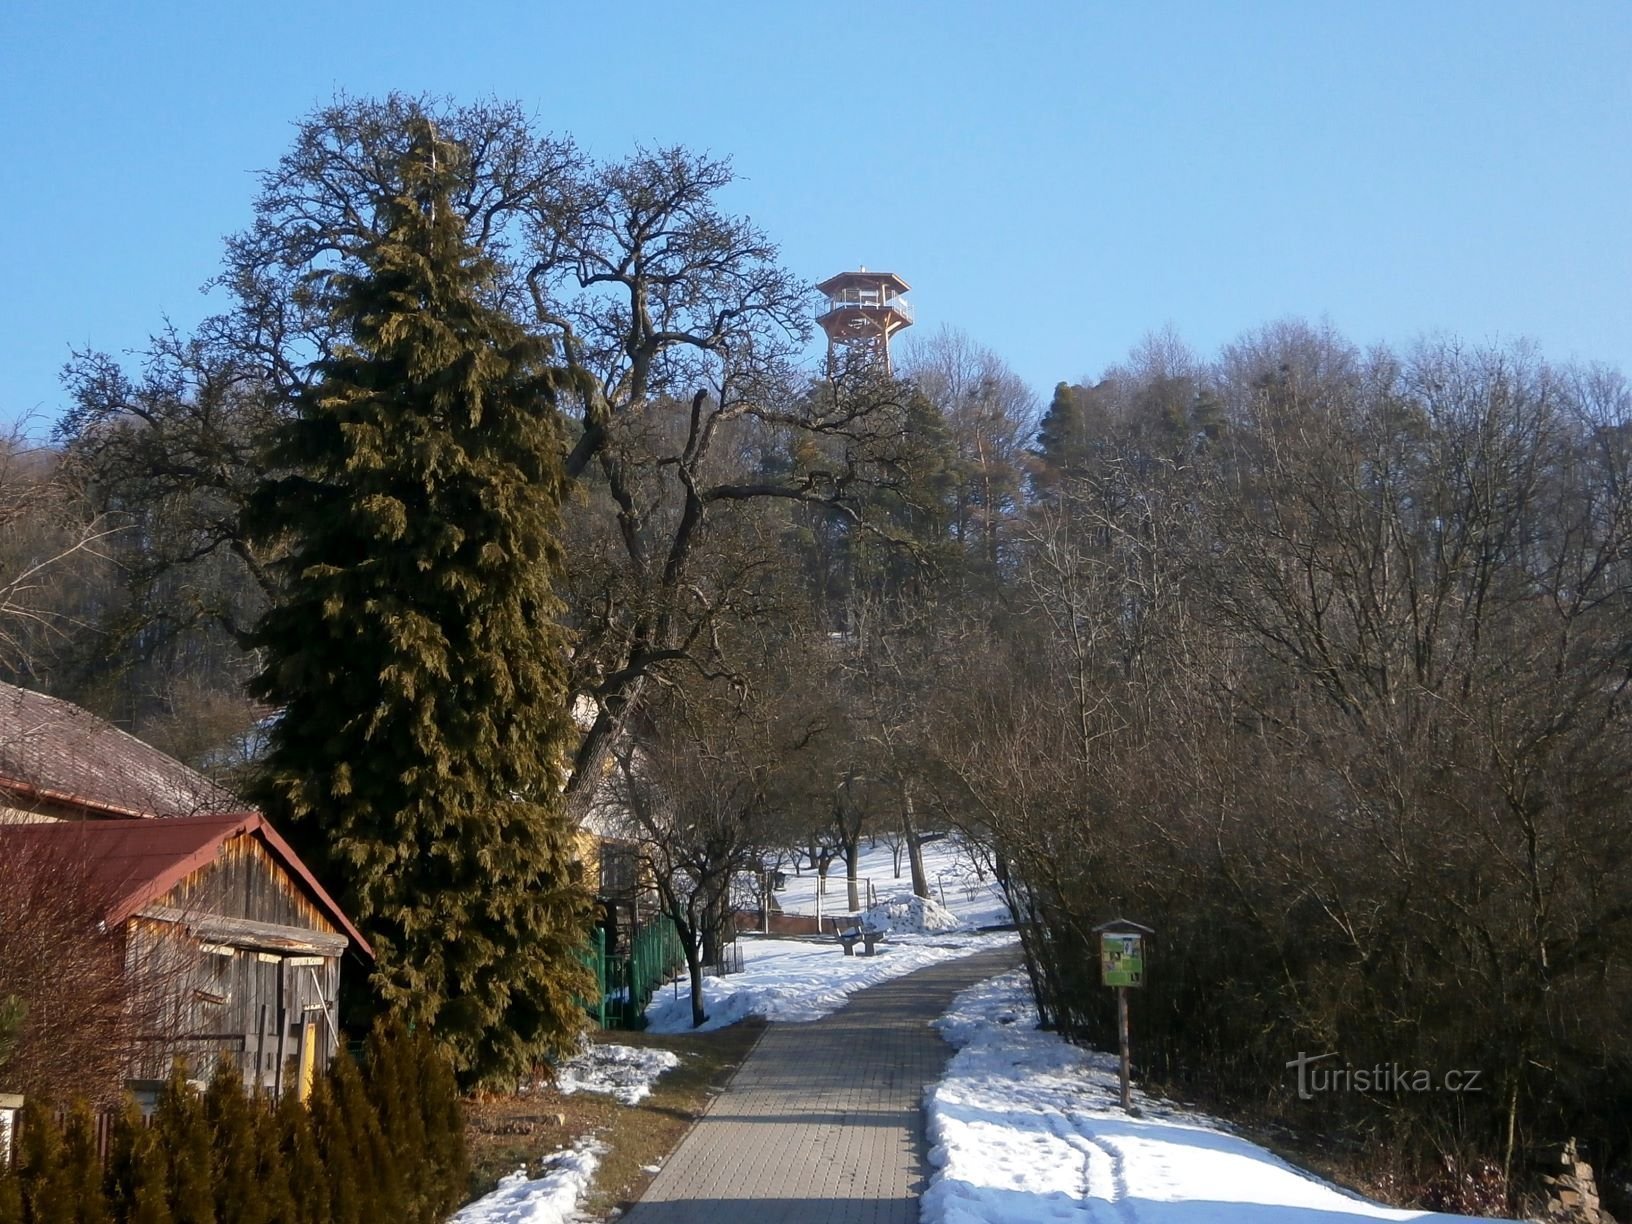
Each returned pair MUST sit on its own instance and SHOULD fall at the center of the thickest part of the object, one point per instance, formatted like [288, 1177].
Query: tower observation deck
[864, 310]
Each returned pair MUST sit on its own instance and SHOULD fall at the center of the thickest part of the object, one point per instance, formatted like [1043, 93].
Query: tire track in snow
[1102, 1164]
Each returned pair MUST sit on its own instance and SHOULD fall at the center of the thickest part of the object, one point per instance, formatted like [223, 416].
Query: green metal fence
[628, 979]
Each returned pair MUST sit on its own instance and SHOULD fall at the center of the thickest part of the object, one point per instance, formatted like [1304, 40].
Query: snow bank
[625, 1073]
[907, 914]
[1027, 1128]
[800, 980]
[550, 1198]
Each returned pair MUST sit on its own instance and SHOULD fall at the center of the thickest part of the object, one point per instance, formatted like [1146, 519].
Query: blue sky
[1056, 180]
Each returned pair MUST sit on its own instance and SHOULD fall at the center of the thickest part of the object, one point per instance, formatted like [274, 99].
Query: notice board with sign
[1122, 958]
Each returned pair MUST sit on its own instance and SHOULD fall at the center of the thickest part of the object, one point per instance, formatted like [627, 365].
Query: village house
[61, 762]
[230, 942]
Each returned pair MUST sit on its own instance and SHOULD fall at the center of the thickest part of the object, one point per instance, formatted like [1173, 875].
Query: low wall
[752, 922]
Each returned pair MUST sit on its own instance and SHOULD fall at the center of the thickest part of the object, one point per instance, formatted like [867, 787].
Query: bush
[11, 1196]
[43, 1174]
[385, 1147]
[137, 1172]
[83, 1166]
[301, 1162]
[184, 1137]
[234, 1166]
[416, 1099]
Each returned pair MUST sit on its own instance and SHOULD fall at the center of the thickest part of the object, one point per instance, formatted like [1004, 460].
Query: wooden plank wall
[235, 1002]
[245, 881]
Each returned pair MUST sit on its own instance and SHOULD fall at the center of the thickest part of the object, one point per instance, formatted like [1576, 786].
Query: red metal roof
[139, 861]
[56, 752]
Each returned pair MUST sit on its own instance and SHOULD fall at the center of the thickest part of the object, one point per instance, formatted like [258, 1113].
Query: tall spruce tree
[417, 657]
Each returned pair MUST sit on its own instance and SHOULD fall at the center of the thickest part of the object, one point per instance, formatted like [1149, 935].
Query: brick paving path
[823, 1121]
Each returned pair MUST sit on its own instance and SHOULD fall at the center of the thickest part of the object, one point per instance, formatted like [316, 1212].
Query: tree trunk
[694, 966]
[852, 861]
[711, 933]
[915, 848]
[694, 962]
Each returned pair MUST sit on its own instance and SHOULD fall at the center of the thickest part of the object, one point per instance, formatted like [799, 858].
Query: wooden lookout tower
[864, 309]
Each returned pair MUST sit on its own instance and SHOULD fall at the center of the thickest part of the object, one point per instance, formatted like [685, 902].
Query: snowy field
[948, 864]
[800, 980]
[1027, 1129]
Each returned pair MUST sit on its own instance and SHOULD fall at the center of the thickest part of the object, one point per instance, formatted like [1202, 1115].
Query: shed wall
[246, 1004]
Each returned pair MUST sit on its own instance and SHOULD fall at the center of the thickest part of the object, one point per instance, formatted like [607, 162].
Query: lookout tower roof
[862, 279]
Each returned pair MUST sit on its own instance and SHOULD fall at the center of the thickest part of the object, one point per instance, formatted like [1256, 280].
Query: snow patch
[1024, 1127]
[907, 914]
[550, 1198]
[625, 1073]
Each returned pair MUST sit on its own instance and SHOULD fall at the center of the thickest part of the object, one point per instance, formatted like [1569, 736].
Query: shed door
[309, 1017]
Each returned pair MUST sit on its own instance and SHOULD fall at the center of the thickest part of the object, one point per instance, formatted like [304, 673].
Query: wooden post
[283, 1032]
[1122, 1038]
[260, 1053]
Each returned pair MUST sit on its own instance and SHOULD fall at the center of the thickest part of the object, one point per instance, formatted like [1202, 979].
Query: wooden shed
[232, 944]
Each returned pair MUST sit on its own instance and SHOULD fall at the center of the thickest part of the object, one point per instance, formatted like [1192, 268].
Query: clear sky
[1056, 180]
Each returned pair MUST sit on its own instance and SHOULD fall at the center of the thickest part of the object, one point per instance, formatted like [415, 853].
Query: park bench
[867, 938]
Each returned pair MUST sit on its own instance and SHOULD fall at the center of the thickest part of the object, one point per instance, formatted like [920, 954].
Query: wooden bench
[868, 939]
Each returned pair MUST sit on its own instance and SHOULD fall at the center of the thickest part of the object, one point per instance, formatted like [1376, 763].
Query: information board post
[1127, 1051]
[1122, 966]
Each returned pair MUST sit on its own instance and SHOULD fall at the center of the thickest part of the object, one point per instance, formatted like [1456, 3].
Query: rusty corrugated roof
[52, 750]
[135, 862]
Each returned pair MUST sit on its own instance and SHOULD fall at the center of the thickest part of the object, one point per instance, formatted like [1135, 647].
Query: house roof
[53, 751]
[139, 861]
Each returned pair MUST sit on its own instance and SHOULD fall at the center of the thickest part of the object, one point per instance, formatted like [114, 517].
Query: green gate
[628, 980]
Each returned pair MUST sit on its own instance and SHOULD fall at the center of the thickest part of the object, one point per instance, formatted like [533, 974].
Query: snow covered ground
[549, 1197]
[551, 1192]
[798, 980]
[625, 1073]
[1026, 1128]
[949, 864]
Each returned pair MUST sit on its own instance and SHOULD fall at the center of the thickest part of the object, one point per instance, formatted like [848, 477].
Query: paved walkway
[823, 1121]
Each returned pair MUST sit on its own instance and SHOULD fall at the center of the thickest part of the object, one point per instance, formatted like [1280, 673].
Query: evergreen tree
[184, 1137]
[235, 1164]
[392, 1080]
[83, 1165]
[301, 1160]
[48, 1191]
[11, 1194]
[417, 656]
[332, 1143]
[1065, 438]
[377, 1176]
[136, 1173]
[448, 1178]
[273, 1173]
